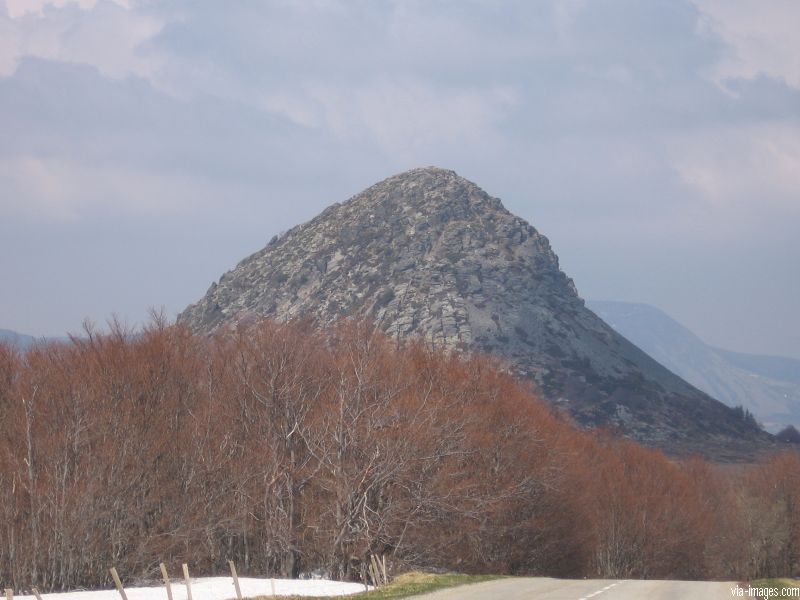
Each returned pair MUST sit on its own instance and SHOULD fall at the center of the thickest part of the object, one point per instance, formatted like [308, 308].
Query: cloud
[106, 35]
[611, 125]
[610, 90]
[744, 170]
[400, 117]
[59, 189]
[75, 142]
[19, 8]
[762, 38]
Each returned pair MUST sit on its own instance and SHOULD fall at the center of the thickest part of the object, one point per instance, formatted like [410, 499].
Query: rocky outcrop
[428, 253]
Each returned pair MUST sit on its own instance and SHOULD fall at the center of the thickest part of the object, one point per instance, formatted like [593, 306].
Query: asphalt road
[543, 588]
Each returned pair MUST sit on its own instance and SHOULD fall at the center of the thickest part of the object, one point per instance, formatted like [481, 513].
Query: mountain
[774, 367]
[16, 339]
[427, 253]
[767, 386]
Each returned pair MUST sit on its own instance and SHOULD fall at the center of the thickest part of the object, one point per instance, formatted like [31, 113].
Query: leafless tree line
[287, 449]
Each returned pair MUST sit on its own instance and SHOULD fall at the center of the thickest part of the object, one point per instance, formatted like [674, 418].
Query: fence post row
[376, 568]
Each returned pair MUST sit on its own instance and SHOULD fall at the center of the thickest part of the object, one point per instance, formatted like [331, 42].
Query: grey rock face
[428, 253]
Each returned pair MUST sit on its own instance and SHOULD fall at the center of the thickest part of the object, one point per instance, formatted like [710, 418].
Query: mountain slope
[428, 253]
[767, 386]
[774, 367]
[16, 339]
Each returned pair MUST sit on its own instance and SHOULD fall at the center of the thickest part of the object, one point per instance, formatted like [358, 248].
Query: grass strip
[407, 585]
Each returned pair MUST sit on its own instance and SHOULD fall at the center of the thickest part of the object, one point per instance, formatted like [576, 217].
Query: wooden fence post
[188, 581]
[383, 568]
[35, 592]
[373, 575]
[371, 570]
[9, 594]
[272, 586]
[118, 583]
[376, 571]
[167, 584]
[235, 580]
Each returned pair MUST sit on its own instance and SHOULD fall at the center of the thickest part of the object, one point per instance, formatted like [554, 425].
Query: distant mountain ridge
[767, 386]
[19, 340]
[429, 254]
[24, 341]
[775, 367]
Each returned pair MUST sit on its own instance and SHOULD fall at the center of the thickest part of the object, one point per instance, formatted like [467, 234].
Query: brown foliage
[286, 449]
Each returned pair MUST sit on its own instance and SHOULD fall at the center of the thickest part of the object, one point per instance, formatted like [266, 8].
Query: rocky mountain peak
[432, 191]
[408, 251]
[427, 253]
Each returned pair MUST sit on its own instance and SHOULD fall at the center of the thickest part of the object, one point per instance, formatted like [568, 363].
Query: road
[543, 588]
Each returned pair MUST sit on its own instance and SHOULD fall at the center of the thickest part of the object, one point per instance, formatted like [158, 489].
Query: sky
[148, 146]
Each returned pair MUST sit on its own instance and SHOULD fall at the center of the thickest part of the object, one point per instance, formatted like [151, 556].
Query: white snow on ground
[218, 588]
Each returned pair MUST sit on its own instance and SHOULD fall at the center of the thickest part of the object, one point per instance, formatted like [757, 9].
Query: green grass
[411, 584]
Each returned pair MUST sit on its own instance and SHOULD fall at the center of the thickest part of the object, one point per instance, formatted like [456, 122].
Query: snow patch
[219, 588]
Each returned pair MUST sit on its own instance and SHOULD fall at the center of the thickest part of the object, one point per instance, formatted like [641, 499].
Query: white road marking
[598, 592]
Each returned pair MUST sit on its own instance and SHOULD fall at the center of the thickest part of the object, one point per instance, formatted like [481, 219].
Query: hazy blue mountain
[767, 386]
[775, 367]
[24, 341]
[18, 339]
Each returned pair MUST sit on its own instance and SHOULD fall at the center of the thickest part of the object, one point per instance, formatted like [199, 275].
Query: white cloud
[399, 116]
[62, 190]
[19, 8]
[743, 173]
[107, 36]
[596, 120]
[565, 12]
[762, 35]
[9, 47]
